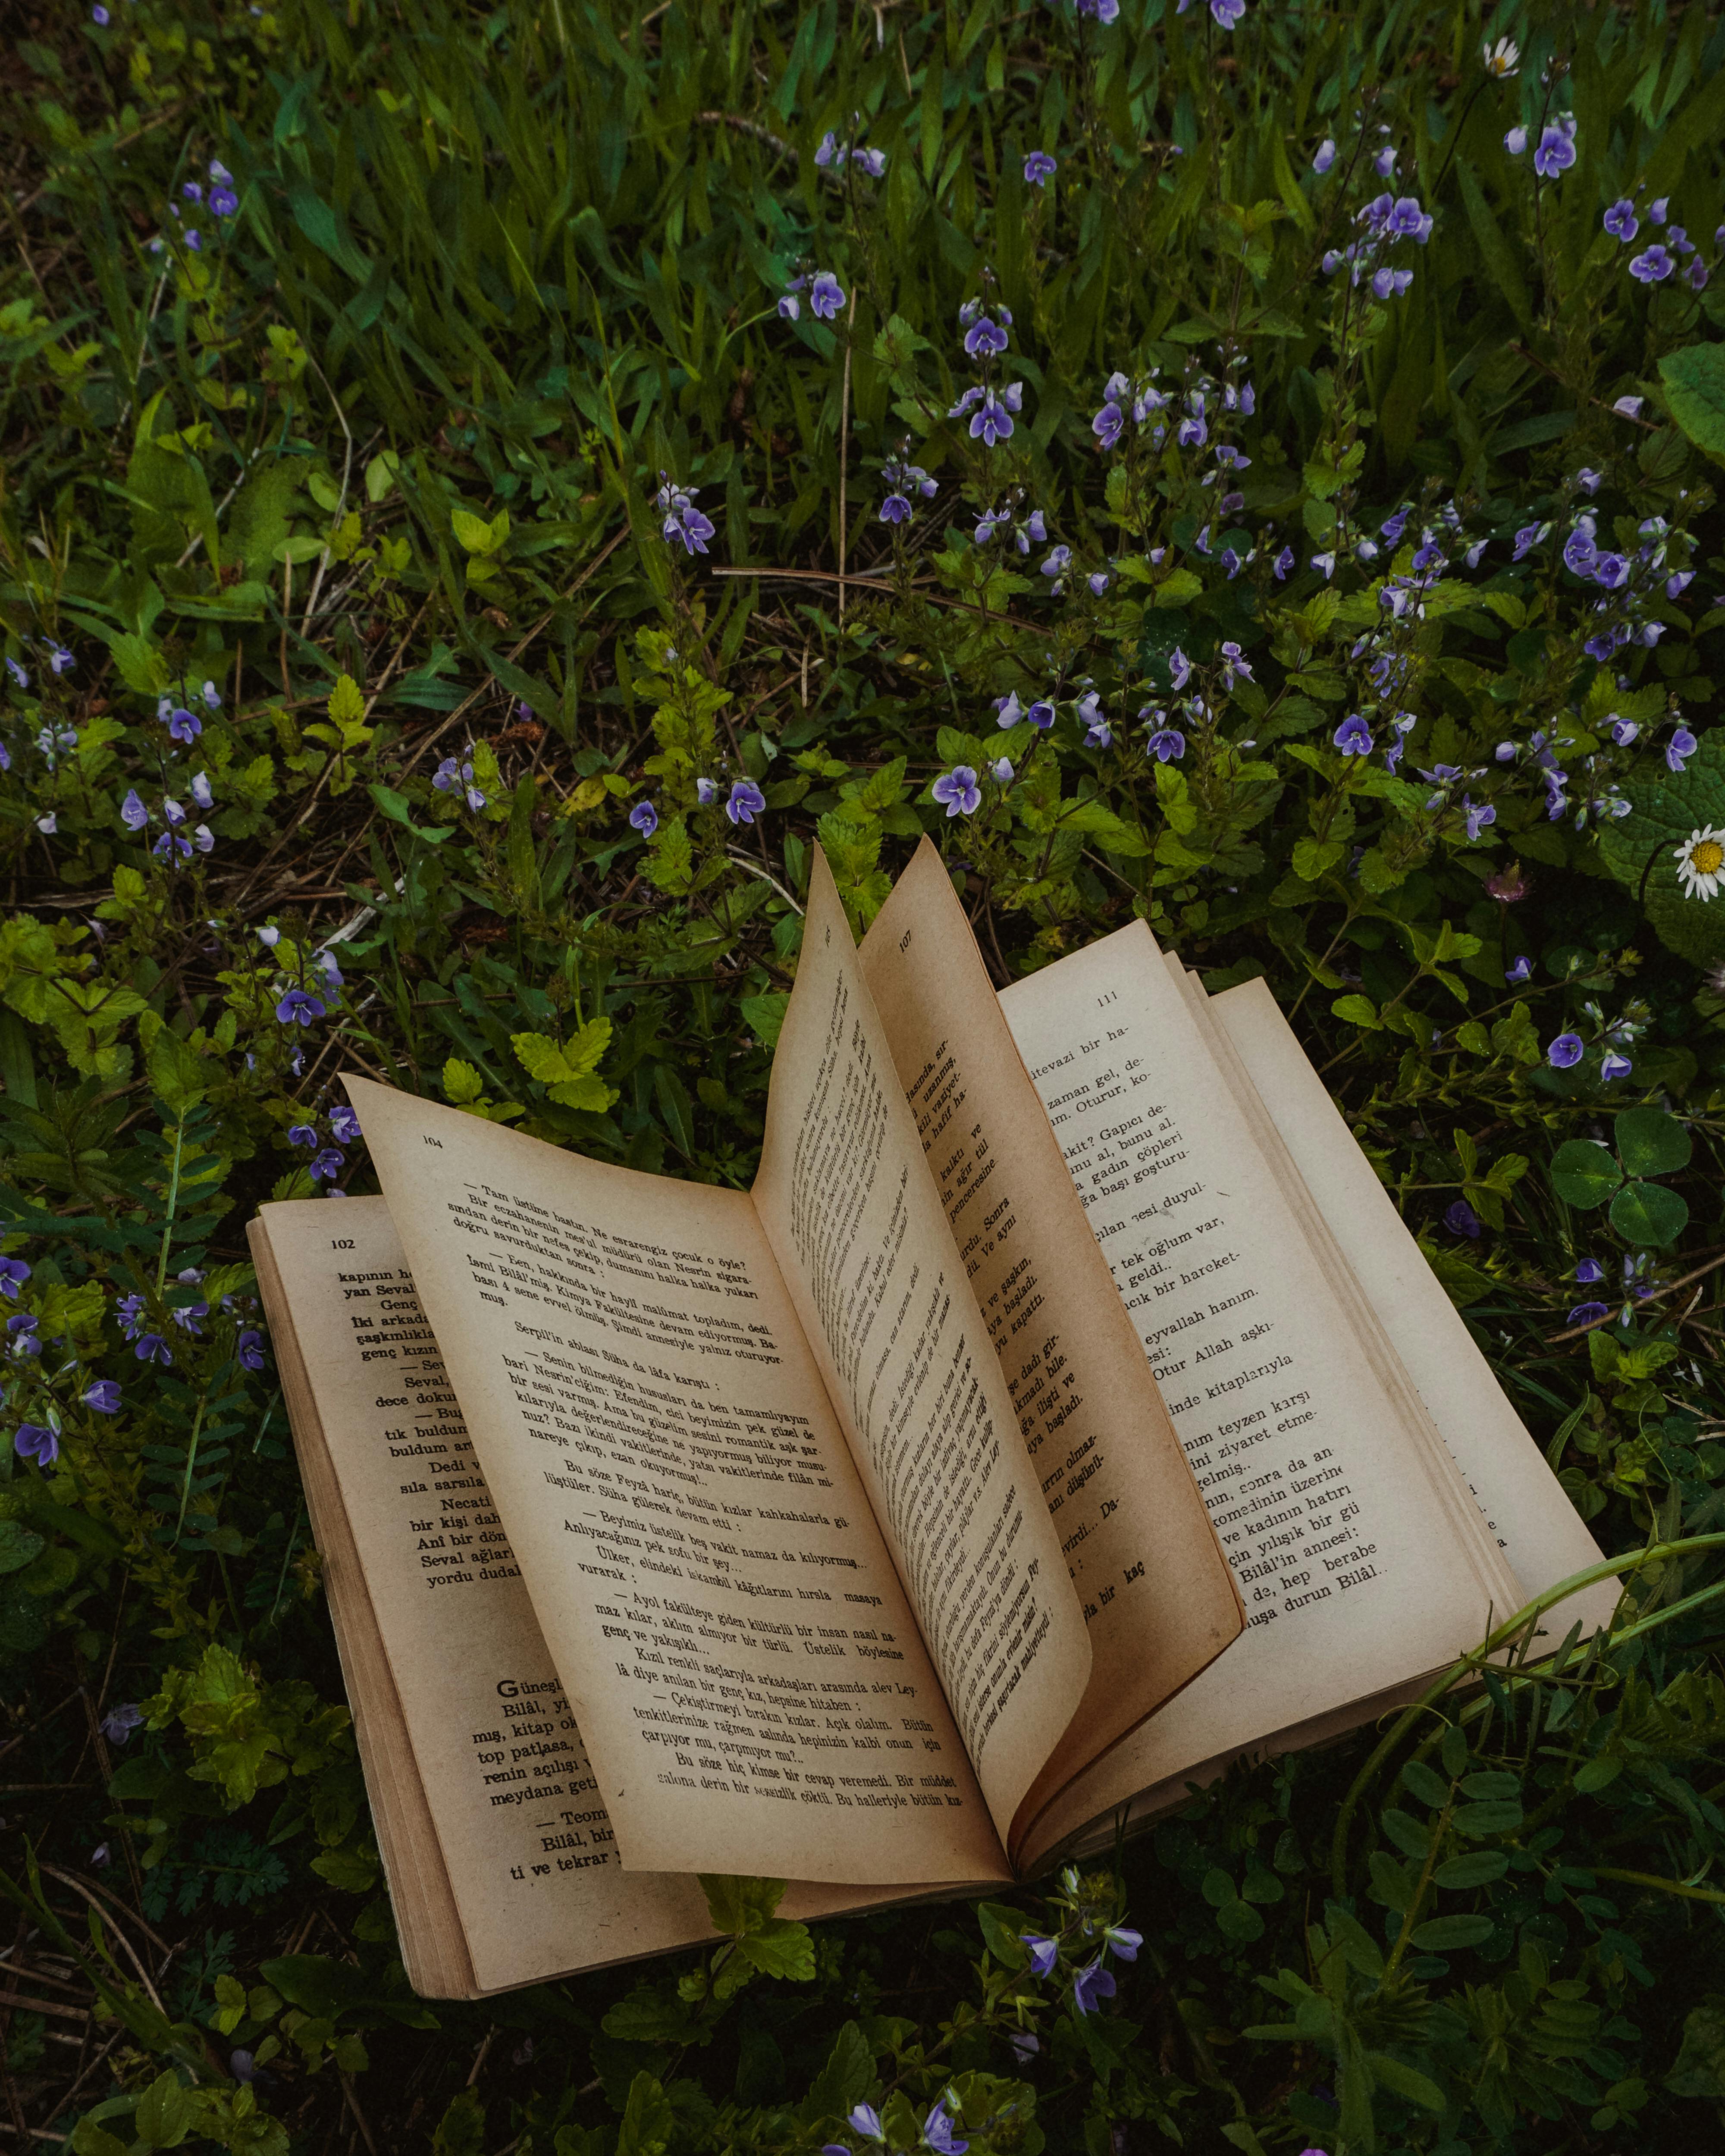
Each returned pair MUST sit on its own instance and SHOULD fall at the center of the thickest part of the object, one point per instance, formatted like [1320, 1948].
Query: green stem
[191, 1461]
[173, 1200]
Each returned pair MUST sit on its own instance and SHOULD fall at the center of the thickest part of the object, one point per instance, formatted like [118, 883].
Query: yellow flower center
[1708, 858]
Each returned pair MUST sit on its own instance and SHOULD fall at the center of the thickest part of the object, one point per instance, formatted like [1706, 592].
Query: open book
[1064, 1414]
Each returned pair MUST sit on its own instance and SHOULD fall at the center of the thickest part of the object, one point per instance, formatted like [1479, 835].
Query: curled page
[1159, 1602]
[1356, 1571]
[864, 1246]
[698, 1547]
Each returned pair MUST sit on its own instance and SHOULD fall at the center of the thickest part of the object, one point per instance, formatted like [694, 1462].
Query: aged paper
[495, 1883]
[1159, 1601]
[522, 1835]
[1542, 1536]
[863, 1242]
[695, 1542]
[1354, 1570]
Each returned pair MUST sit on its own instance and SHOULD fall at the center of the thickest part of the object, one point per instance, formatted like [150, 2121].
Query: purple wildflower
[956, 789]
[1039, 169]
[1092, 1984]
[1556, 152]
[644, 818]
[34, 1441]
[826, 296]
[1460, 1220]
[249, 1349]
[747, 801]
[1352, 737]
[103, 1396]
[1565, 1052]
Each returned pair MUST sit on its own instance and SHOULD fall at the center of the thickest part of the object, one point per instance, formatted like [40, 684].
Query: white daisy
[1502, 59]
[1701, 863]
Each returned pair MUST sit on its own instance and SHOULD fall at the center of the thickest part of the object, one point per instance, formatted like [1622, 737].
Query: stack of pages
[1064, 1414]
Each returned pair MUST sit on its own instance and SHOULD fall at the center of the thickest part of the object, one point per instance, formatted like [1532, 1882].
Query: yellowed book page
[1159, 1600]
[428, 1923]
[695, 1542]
[1353, 1576]
[863, 1243]
[1450, 1492]
[1542, 1536]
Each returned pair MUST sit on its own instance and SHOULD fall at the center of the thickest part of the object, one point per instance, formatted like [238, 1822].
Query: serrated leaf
[346, 704]
[1357, 1010]
[764, 1015]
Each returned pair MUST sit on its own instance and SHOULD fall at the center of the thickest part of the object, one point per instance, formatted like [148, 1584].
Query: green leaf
[1444, 1934]
[1478, 1868]
[164, 2115]
[1648, 1214]
[1700, 2068]
[845, 2081]
[738, 1904]
[1406, 2081]
[1597, 1774]
[1495, 253]
[647, 2122]
[461, 2130]
[1650, 1141]
[347, 705]
[1314, 858]
[18, 1546]
[1428, 1785]
[1477, 1821]
[1641, 850]
[1584, 1173]
[782, 1948]
[1357, 1010]
[567, 1070]
[1694, 381]
[764, 1015]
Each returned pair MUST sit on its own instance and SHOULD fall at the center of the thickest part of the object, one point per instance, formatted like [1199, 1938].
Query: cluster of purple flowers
[742, 804]
[833, 156]
[826, 302]
[40, 1442]
[1226, 13]
[58, 659]
[1636, 1288]
[178, 842]
[1024, 529]
[902, 480]
[1554, 153]
[1385, 221]
[327, 1161]
[684, 522]
[455, 775]
[1660, 257]
[218, 198]
[992, 410]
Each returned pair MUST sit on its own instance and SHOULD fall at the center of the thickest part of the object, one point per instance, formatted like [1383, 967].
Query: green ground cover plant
[487, 493]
